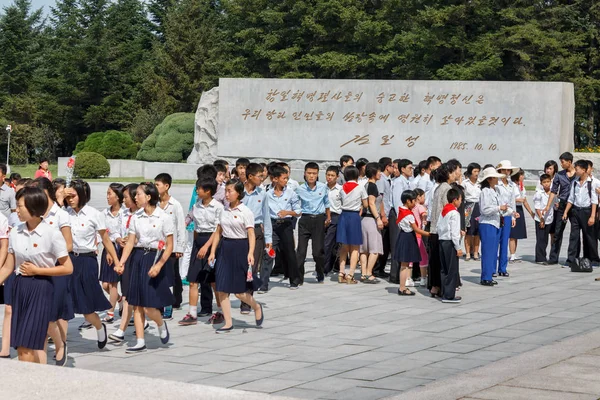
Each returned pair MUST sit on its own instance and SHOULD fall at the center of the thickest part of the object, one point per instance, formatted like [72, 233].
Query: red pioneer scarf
[349, 186]
[403, 213]
[447, 208]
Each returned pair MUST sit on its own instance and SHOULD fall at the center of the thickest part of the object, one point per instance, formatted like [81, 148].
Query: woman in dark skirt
[113, 216]
[149, 246]
[7, 290]
[128, 214]
[519, 231]
[472, 211]
[62, 304]
[40, 252]
[406, 247]
[233, 266]
[86, 224]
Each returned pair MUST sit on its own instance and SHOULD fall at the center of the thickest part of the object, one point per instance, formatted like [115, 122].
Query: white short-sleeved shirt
[41, 247]
[4, 227]
[406, 223]
[236, 221]
[352, 201]
[151, 229]
[206, 218]
[540, 200]
[335, 203]
[519, 194]
[13, 220]
[174, 210]
[472, 191]
[113, 223]
[57, 218]
[128, 216]
[84, 227]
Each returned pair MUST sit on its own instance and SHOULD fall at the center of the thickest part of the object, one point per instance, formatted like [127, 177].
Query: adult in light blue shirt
[399, 185]
[314, 201]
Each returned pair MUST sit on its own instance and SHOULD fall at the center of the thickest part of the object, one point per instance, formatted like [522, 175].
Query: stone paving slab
[337, 341]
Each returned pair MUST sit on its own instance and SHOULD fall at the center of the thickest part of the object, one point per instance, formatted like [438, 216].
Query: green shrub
[111, 144]
[171, 141]
[89, 165]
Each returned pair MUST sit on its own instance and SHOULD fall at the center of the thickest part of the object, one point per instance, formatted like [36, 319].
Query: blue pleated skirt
[232, 266]
[143, 290]
[8, 288]
[31, 309]
[88, 296]
[199, 270]
[126, 278]
[349, 228]
[107, 272]
[407, 248]
[62, 301]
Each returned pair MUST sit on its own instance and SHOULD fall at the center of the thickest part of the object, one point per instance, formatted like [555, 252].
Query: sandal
[405, 292]
[342, 278]
[364, 277]
[476, 258]
[350, 280]
[371, 281]
[467, 257]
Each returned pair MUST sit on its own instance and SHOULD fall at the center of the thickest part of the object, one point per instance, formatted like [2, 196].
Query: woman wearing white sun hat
[506, 193]
[490, 222]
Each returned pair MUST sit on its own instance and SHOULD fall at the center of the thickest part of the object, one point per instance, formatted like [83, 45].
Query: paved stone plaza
[337, 341]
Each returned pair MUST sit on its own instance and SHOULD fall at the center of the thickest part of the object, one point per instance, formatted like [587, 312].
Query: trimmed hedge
[171, 141]
[89, 165]
[110, 144]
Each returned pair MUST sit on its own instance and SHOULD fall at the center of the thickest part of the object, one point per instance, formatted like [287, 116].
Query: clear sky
[34, 3]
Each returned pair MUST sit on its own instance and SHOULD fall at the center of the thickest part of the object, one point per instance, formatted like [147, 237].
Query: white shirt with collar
[42, 247]
[540, 200]
[128, 216]
[384, 185]
[206, 218]
[236, 221]
[580, 193]
[174, 211]
[472, 191]
[448, 228]
[424, 182]
[335, 203]
[399, 185]
[85, 225]
[57, 217]
[151, 229]
[406, 223]
[352, 201]
[8, 200]
[506, 195]
[113, 223]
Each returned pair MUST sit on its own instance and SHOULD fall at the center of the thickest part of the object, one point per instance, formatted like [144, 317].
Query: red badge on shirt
[235, 216]
[259, 201]
[51, 222]
[82, 225]
[35, 245]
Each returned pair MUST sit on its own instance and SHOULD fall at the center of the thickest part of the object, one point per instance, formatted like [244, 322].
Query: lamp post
[8, 130]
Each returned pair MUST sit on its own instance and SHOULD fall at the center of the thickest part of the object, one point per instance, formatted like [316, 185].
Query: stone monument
[299, 120]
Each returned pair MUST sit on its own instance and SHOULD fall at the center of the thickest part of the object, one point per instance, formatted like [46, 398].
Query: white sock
[512, 256]
[101, 334]
[162, 331]
[193, 311]
[140, 343]
[119, 332]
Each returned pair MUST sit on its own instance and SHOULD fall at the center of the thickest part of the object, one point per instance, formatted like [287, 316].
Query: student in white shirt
[151, 233]
[233, 265]
[472, 211]
[33, 253]
[543, 221]
[335, 208]
[448, 229]
[173, 210]
[86, 224]
[519, 231]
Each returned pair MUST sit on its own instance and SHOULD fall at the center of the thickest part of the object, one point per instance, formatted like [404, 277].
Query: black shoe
[262, 316]
[8, 356]
[63, 361]
[165, 340]
[505, 274]
[487, 283]
[101, 344]
[263, 290]
[203, 314]
[136, 349]
[245, 309]
[494, 282]
[224, 330]
[116, 338]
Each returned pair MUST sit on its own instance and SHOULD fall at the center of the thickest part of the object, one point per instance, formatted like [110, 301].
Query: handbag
[581, 265]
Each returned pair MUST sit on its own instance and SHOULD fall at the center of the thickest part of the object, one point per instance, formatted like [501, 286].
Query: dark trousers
[541, 241]
[449, 270]
[331, 246]
[259, 251]
[382, 260]
[311, 227]
[206, 297]
[558, 233]
[177, 284]
[283, 243]
[394, 231]
[579, 225]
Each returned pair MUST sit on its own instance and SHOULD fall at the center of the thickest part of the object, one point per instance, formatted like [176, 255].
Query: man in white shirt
[335, 209]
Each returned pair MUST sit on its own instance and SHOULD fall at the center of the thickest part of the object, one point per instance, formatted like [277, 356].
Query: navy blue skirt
[107, 272]
[349, 228]
[200, 271]
[232, 267]
[126, 278]
[8, 288]
[407, 248]
[143, 290]
[31, 309]
[88, 296]
[520, 229]
[62, 301]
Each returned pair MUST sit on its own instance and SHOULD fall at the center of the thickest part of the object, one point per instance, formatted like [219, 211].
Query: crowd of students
[239, 231]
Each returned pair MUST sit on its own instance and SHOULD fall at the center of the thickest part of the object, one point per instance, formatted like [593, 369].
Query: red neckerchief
[403, 213]
[521, 186]
[447, 208]
[349, 186]
[128, 221]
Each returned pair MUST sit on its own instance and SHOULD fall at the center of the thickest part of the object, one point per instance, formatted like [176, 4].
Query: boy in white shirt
[448, 228]
[543, 221]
